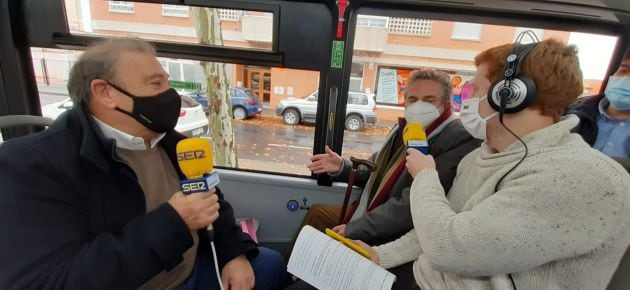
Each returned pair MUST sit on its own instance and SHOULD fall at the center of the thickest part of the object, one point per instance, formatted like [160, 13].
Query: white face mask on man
[472, 121]
[421, 112]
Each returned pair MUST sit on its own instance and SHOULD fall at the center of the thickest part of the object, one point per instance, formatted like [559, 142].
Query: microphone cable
[214, 258]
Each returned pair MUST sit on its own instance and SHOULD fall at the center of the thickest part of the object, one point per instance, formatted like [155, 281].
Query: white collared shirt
[124, 140]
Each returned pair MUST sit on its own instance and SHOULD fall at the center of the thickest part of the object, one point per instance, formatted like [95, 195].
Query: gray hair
[433, 75]
[99, 62]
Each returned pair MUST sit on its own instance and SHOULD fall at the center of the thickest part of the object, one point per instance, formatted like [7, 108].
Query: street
[265, 143]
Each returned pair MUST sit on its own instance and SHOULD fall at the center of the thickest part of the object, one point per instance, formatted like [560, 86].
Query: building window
[467, 31]
[356, 76]
[526, 39]
[174, 10]
[121, 7]
[372, 21]
[183, 70]
[410, 26]
[230, 14]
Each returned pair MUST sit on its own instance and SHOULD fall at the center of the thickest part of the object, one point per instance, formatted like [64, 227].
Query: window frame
[175, 8]
[113, 9]
[371, 18]
[465, 34]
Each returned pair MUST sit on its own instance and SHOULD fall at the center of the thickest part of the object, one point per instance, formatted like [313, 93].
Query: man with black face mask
[94, 202]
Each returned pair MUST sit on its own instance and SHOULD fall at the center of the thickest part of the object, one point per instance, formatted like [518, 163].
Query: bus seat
[24, 120]
[621, 279]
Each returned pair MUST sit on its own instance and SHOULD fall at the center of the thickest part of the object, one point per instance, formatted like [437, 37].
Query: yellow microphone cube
[194, 156]
[415, 137]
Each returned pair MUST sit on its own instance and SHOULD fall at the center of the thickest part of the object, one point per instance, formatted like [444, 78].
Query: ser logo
[194, 187]
[191, 155]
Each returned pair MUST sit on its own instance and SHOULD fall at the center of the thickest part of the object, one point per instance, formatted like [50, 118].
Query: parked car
[192, 120]
[361, 110]
[244, 103]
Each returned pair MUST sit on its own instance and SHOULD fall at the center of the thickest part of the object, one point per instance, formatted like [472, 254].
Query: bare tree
[208, 27]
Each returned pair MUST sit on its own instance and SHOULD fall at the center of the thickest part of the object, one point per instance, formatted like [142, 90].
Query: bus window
[271, 117]
[388, 49]
[264, 140]
[239, 28]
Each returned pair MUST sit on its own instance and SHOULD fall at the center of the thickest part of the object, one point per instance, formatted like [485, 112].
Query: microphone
[415, 137]
[194, 156]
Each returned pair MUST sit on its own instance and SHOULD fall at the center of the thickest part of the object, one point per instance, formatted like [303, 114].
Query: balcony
[257, 28]
[371, 38]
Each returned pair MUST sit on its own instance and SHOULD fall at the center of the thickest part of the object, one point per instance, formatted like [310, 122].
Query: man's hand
[238, 274]
[416, 162]
[198, 210]
[340, 229]
[329, 162]
[373, 255]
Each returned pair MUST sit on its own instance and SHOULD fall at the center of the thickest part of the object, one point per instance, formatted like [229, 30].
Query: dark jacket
[73, 215]
[392, 219]
[587, 109]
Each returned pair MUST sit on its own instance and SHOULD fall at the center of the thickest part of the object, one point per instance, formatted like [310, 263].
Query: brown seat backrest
[621, 279]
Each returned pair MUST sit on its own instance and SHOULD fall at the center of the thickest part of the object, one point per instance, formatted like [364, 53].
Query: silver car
[361, 110]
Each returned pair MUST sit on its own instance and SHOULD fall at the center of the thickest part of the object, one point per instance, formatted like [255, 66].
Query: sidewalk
[60, 90]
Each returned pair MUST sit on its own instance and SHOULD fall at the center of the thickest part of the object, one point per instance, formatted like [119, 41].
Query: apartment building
[386, 49]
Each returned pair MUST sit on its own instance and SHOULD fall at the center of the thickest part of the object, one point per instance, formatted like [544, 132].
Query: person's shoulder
[585, 104]
[577, 159]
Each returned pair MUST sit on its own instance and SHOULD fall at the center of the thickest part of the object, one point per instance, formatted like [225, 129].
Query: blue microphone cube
[420, 145]
[205, 183]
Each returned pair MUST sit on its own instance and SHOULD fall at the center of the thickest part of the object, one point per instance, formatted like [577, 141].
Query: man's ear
[101, 93]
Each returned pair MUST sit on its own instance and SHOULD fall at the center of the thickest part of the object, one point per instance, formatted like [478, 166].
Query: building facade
[386, 49]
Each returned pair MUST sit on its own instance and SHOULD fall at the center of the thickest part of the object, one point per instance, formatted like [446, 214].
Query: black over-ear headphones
[514, 92]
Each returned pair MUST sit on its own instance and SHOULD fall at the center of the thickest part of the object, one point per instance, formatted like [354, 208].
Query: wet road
[282, 144]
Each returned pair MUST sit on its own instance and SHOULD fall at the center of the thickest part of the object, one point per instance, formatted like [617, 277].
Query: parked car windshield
[188, 102]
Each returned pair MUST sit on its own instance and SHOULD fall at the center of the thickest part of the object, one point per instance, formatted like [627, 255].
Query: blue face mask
[618, 92]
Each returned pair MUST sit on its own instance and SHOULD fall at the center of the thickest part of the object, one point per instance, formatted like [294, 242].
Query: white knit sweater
[561, 220]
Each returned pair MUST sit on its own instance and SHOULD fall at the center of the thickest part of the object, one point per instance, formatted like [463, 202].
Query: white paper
[387, 87]
[327, 264]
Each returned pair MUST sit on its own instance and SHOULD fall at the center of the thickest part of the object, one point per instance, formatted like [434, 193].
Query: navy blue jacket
[587, 109]
[73, 215]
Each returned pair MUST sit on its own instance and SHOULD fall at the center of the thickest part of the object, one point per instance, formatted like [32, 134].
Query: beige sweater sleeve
[558, 208]
[398, 252]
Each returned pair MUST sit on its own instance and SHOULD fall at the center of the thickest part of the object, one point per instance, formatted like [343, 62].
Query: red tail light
[250, 101]
[182, 113]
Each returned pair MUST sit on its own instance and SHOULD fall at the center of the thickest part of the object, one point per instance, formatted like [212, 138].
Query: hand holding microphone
[197, 210]
[199, 202]
[195, 159]
[415, 139]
